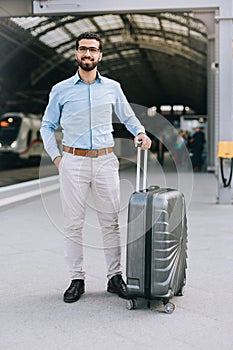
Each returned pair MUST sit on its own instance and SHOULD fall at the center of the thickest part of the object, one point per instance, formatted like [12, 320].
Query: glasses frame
[83, 50]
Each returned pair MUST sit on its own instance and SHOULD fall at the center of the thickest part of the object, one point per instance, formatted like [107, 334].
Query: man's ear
[75, 55]
[101, 55]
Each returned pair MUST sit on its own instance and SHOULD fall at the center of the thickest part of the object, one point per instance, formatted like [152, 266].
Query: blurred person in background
[197, 144]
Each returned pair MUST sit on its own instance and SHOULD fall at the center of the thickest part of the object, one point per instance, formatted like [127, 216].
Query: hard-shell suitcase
[156, 243]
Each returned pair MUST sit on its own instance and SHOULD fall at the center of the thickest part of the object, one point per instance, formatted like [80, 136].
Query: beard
[87, 66]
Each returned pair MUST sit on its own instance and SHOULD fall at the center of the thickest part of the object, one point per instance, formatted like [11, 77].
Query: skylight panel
[49, 24]
[28, 22]
[55, 37]
[150, 40]
[69, 54]
[197, 35]
[115, 38]
[108, 22]
[144, 21]
[66, 18]
[174, 17]
[43, 27]
[174, 27]
[198, 26]
[66, 47]
[131, 52]
[81, 26]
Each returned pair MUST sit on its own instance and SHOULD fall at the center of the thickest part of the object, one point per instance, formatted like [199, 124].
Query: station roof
[159, 58]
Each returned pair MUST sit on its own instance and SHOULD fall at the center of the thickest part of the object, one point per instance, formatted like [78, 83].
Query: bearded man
[83, 106]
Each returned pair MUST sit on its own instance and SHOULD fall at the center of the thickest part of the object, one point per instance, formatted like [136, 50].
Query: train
[20, 136]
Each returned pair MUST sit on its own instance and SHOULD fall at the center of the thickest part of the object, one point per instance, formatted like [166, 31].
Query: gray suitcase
[156, 243]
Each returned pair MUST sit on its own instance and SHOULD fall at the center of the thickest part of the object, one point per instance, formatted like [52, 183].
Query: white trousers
[78, 175]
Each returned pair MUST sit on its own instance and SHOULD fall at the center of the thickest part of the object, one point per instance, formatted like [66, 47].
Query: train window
[9, 129]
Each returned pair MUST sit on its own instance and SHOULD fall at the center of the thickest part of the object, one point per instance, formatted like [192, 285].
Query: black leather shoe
[74, 292]
[117, 285]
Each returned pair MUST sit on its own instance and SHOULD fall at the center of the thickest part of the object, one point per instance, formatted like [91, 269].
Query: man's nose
[87, 53]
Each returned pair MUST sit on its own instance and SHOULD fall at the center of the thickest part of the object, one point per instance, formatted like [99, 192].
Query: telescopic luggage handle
[139, 144]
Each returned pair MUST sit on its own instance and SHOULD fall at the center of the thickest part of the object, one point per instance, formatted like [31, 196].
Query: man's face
[88, 54]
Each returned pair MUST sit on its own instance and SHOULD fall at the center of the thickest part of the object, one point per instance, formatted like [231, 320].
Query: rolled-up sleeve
[50, 123]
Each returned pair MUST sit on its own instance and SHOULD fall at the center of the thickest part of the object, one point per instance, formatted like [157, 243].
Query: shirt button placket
[90, 115]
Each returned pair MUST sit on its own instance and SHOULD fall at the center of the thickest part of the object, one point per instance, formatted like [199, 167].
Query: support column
[225, 195]
[212, 74]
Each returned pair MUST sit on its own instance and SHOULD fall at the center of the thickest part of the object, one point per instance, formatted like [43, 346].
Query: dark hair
[89, 35]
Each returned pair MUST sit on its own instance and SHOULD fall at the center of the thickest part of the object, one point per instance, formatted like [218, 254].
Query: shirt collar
[76, 78]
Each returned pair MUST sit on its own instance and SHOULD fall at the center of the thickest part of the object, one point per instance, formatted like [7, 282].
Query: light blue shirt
[84, 112]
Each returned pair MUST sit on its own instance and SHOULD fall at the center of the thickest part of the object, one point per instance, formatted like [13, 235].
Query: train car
[20, 136]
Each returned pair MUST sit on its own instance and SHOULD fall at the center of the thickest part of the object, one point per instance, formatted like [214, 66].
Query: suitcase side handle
[139, 144]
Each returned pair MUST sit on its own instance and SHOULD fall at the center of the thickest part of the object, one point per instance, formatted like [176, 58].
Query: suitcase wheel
[169, 308]
[131, 304]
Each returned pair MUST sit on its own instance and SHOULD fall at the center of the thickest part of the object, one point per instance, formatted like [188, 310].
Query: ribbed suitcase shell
[156, 244]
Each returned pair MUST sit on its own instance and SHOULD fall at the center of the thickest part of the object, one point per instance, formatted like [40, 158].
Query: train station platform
[34, 276]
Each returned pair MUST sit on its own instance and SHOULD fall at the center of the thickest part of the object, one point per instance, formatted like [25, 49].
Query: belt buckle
[93, 153]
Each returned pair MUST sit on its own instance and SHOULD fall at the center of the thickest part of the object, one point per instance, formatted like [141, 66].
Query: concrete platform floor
[34, 276]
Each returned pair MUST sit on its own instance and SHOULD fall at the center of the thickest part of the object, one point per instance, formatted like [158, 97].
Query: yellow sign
[225, 149]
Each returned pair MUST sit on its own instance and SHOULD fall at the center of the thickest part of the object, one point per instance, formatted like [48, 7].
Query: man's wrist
[56, 158]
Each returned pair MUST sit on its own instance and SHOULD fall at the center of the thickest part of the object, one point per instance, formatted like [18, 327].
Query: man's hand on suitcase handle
[144, 140]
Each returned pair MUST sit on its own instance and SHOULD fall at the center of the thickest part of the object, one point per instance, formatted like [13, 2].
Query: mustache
[89, 58]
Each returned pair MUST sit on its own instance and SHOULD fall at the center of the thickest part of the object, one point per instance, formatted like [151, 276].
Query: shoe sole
[74, 300]
[110, 290]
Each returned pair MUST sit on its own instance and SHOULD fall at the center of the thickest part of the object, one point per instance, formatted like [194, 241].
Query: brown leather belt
[92, 153]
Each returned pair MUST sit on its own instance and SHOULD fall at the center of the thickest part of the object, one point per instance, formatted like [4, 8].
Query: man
[197, 144]
[83, 106]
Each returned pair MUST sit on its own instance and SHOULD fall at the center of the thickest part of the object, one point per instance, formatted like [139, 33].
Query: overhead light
[178, 108]
[165, 108]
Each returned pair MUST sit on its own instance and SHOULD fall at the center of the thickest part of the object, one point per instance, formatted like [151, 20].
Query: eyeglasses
[92, 50]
